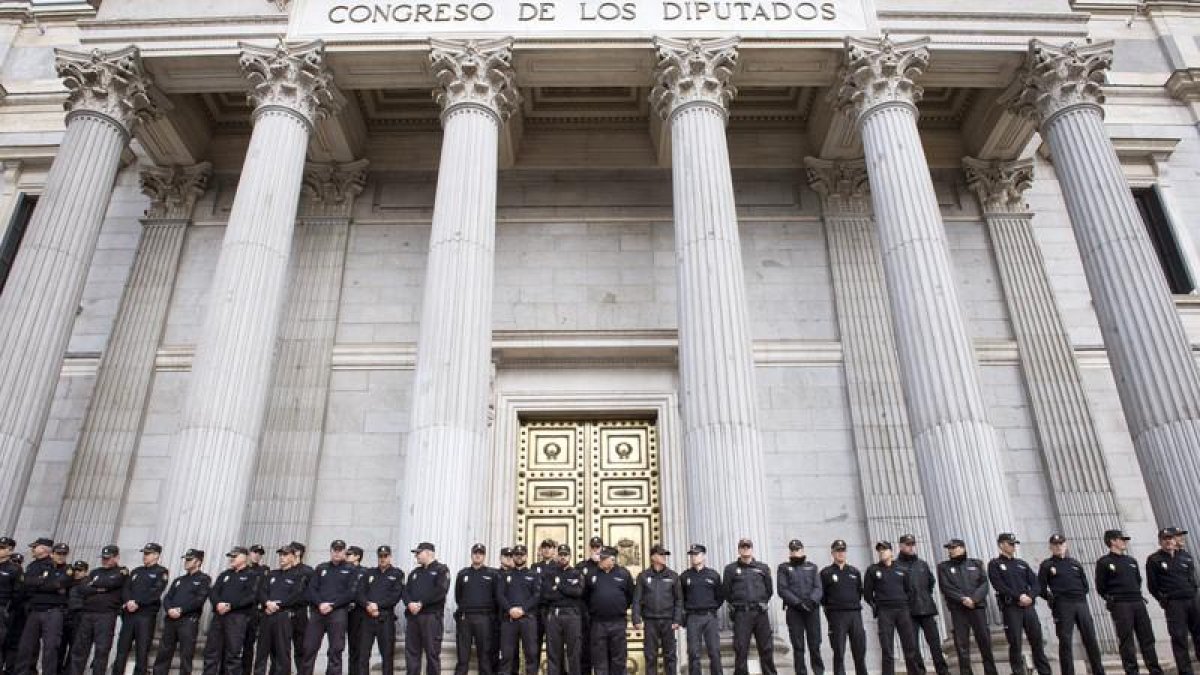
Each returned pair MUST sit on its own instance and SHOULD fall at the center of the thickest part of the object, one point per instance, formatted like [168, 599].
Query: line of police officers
[276, 617]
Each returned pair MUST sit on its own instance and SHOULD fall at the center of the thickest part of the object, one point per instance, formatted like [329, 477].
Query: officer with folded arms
[562, 597]
[658, 606]
[922, 605]
[378, 594]
[587, 567]
[184, 603]
[255, 566]
[101, 595]
[331, 590]
[703, 596]
[78, 571]
[280, 592]
[300, 616]
[518, 597]
[1171, 577]
[234, 597]
[46, 583]
[1065, 586]
[1017, 590]
[964, 585]
[842, 589]
[1119, 582]
[10, 585]
[475, 596]
[800, 588]
[747, 587]
[887, 589]
[425, 602]
[609, 593]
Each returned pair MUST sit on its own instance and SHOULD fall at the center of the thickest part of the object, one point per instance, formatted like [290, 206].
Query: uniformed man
[1065, 587]
[506, 559]
[78, 571]
[330, 592]
[233, 598]
[184, 603]
[356, 615]
[921, 603]
[10, 587]
[1017, 590]
[608, 593]
[16, 619]
[475, 618]
[887, 588]
[586, 568]
[518, 599]
[748, 589]
[562, 597]
[1171, 578]
[964, 585]
[379, 591]
[143, 598]
[255, 566]
[800, 589]
[703, 596]
[841, 596]
[506, 565]
[547, 551]
[425, 605]
[1119, 582]
[280, 592]
[300, 616]
[46, 582]
[658, 609]
[100, 592]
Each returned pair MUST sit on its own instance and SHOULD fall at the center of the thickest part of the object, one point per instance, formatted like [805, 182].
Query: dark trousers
[17, 618]
[354, 624]
[847, 624]
[137, 632]
[1020, 621]
[564, 642]
[93, 630]
[704, 635]
[225, 641]
[42, 626]
[332, 624]
[966, 621]
[660, 638]
[5, 608]
[66, 644]
[892, 621]
[804, 629]
[927, 625]
[1067, 615]
[178, 633]
[274, 643]
[754, 623]
[423, 637]
[379, 631]
[479, 630]
[1131, 622]
[1183, 619]
[251, 642]
[608, 646]
[299, 629]
[518, 634]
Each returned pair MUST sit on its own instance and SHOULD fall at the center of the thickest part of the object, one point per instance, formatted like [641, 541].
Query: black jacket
[46, 584]
[841, 588]
[101, 591]
[520, 587]
[609, 594]
[145, 587]
[562, 587]
[238, 588]
[1062, 579]
[921, 602]
[800, 584]
[335, 584]
[10, 581]
[383, 587]
[702, 591]
[1119, 578]
[1011, 578]
[475, 589]
[287, 587]
[747, 584]
[188, 593]
[887, 586]
[1169, 577]
[658, 594]
[428, 585]
[963, 577]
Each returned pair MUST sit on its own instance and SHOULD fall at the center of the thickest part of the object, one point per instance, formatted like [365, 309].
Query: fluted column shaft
[107, 96]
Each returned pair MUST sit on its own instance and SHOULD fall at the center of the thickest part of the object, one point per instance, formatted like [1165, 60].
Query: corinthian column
[281, 502]
[450, 388]
[215, 450]
[726, 493]
[108, 95]
[100, 469]
[956, 447]
[1156, 374]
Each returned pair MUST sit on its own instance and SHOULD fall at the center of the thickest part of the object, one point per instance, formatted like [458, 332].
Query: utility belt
[562, 611]
[749, 607]
[700, 612]
[478, 612]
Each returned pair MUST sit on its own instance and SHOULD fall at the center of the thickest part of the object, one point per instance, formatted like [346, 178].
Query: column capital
[881, 72]
[329, 189]
[475, 73]
[693, 72]
[294, 77]
[173, 190]
[113, 84]
[999, 185]
[1057, 78]
[842, 185]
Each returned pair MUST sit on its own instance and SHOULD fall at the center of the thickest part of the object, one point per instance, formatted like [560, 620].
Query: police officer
[379, 591]
[1017, 590]
[280, 592]
[547, 552]
[658, 607]
[1065, 587]
[78, 571]
[964, 585]
[1171, 578]
[608, 593]
[143, 597]
[100, 592]
[747, 588]
[16, 619]
[841, 596]
[506, 565]
[46, 582]
[887, 589]
[331, 590]
[800, 589]
[703, 596]
[233, 598]
[300, 615]
[475, 618]
[356, 615]
[255, 566]
[10, 587]
[518, 599]
[184, 603]
[562, 596]
[921, 603]
[425, 604]
[1119, 582]
[586, 568]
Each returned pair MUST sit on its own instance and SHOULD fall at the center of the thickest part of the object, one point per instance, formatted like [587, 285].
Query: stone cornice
[173, 190]
[693, 72]
[1056, 78]
[881, 72]
[293, 77]
[1184, 85]
[1000, 186]
[842, 185]
[329, 189]
[475, 73]
[112, 84]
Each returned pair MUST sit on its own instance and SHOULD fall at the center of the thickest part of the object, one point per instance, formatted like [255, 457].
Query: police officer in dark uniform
[331, 590]
[658, 607]
[887, 589]
[425, 605]
[300, 615]
[586, 568]
[356, 615]
[841, 596]
[184, 604]
[46, 582]
[233, 598]
[100, 592]
[506, 565]
[379, 591]
[16, 619]
[78, 571]
[1119, 582]
[475, 618]
[1171, 578]
[800, 589]
[923, 607]
[280, 592]
[1017, 590]
[10, 587]
[547, 552]
[143, 597]
[608, 593]
[255, 566]
[518, 598]
[703, 596]
[562, 597]
[747, 588]
[1065, 587]
[964, 585]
